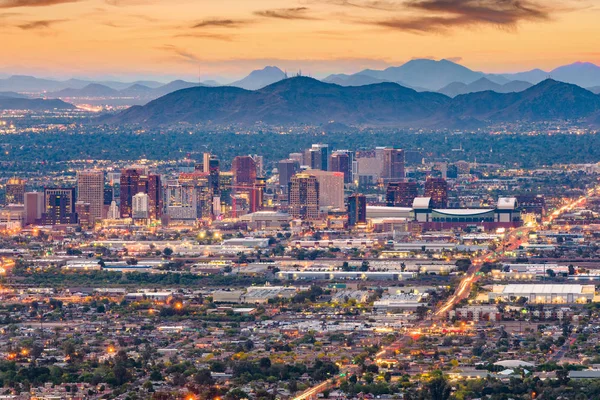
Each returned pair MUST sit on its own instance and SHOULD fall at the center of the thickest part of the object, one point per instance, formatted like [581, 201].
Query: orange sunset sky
[228, 38]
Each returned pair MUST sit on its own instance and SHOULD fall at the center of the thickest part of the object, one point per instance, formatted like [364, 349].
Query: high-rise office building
[303, 197]
[437, 189]
[331, 188]
[141, 206]
[287, 169]
[357, 210]
[260, 165]
[401, 194]
[108, 195]
[34, 207]
[341, 161]
[59, 206]
[113, 211]
[129, 184]
[393, 164]
[181, 202]
[244, 170]
[136, 180]
[90, 190]
[15, 191]
[151, 185]
[297, 157]
[318, 157]
[213, 175]
[84, 214]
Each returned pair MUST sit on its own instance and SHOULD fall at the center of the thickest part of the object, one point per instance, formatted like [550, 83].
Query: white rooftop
[547, 289]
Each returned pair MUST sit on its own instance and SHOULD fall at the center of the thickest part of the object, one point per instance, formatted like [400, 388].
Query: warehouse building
[544, 294]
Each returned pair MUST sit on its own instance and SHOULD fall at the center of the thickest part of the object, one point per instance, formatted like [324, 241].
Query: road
[314, 391]
[511, 242]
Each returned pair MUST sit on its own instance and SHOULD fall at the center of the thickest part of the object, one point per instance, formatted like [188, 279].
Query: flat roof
[548, 289]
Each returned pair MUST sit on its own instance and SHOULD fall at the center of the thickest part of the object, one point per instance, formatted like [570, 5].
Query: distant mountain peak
[260, 78]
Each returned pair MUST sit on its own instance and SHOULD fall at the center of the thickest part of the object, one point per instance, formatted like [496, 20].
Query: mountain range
[421, 75]
[481, 85]
[436, 75]
[302, 100]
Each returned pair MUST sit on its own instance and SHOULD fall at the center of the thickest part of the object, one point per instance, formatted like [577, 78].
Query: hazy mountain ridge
[303, 100]
[457, 88]
[437, 75]
[34, 104]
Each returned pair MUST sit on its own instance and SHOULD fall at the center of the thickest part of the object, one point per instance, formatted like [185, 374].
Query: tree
[236, 394]
[421, 311]
[463, 264]
[438, 389]
[364, 266]
[264, 363]
[204, 377]
[562, 375]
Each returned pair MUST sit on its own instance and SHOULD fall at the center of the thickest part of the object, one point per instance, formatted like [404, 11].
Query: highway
[511, 242]
[314, 391]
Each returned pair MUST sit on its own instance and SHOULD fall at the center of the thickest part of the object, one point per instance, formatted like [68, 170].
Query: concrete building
[341, 161]
[318, 157]
[303, 197]
[266, 219]
[357, 210]
[331, 188]
[544, 294]
[59, 206]
[393, 165]
[34, 207]
[437, 190]
[140, 206]
[401, 194]
[15, 191]
[287, 169]
[90, 190]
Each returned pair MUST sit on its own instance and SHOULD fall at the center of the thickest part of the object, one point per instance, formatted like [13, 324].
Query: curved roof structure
[421, 203]
[460, 212]
[507, 203]
[514, 363]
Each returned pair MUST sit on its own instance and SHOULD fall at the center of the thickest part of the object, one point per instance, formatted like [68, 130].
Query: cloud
[206, 35]
[382, 5]
[42, 24]
[32, 3]
[184, 55]
[286, 13]
[220, 23]
[422, 16]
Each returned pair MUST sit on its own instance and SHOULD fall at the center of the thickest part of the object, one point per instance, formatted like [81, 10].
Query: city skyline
[138, 39]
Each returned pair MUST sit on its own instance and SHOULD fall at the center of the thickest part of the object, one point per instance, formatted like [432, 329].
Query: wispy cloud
[220, 23]
[206, 35]
[422, 16]
[41, 24]
[32, 3]
[182, 54]
[300, 13]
